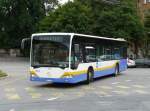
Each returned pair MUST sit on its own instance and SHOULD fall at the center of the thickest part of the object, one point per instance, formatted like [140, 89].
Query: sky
[63, 1]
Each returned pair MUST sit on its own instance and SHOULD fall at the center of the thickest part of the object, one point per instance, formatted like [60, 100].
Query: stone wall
[10, 52]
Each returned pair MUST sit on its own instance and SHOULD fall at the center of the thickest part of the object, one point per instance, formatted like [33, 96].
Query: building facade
[146, 4]
[143, 48]
[144, 7]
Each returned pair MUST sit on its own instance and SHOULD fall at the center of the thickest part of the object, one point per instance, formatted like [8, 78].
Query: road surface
[129, 91]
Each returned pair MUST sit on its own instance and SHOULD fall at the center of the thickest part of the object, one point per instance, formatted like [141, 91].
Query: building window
[146, 1]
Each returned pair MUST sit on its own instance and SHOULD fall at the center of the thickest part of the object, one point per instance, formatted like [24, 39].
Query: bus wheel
[90, 75]
[116, 70]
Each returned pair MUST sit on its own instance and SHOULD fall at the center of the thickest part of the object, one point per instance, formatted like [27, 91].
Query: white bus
[72, 58]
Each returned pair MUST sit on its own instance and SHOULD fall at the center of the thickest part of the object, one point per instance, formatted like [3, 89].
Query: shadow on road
[69, 86]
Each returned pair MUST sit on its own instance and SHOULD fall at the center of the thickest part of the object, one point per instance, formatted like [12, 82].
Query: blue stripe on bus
[104, 72]
[74, 79]
[123, 65]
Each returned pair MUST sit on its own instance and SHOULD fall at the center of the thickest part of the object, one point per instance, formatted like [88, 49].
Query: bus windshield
[50, 51]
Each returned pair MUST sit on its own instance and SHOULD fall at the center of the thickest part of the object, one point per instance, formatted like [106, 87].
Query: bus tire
[116, 73]
[90, 75]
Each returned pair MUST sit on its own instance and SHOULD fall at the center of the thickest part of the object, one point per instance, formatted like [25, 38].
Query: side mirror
[24, 41]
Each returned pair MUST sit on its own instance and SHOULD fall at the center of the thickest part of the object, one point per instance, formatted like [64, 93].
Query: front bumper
[131, 65]
[74, 79]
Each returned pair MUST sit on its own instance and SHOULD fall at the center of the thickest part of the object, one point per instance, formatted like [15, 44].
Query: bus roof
[83, 35]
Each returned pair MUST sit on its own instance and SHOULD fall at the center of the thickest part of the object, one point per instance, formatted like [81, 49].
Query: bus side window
[90, 53]
[108, 53]
[123, 53]
[78, 52]
[77, 56]
[116, 53]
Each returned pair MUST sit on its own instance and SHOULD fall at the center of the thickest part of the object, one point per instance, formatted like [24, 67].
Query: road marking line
[35, 95]
[128, 80]
[141, 92]
[51, 99]
[108, 95]
[80, 94]
[13, 96]
[58, 94]
[121, 92]
[12, 110]
[29, 89]
[115, 83]
[12, 81]
[105, 103]
[88, 88]
[123, 87]
[102, 93]
[106, 87]
[10, 90]
[139, 86]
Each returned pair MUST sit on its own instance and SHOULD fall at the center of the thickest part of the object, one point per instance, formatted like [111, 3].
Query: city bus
[72, 57]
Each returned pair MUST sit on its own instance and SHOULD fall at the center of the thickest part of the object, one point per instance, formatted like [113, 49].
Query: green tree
[18, 20]
[98, 17]
[71, 17]
[117, 18]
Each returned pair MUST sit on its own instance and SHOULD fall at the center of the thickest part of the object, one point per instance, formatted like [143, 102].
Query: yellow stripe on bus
[85, 71]
[33, 72]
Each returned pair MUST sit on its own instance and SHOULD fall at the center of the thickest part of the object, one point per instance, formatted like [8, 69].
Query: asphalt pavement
[130, 91]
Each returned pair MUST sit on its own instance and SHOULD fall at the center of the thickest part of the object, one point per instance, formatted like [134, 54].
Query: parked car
[131, 63]
[143, 62]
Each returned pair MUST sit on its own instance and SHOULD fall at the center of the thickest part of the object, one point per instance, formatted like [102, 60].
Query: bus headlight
[32, 72]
